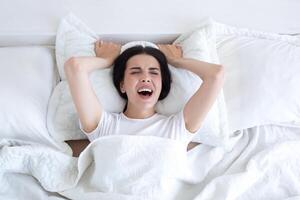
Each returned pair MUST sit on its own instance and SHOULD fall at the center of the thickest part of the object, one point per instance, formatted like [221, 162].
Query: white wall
[25, 20]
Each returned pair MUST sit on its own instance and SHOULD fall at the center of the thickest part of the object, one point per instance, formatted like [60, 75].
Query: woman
[142, 77]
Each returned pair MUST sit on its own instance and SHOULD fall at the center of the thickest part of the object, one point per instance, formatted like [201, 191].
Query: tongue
[144, 94]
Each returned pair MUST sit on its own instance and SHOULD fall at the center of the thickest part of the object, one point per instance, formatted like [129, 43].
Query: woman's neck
[137, 113]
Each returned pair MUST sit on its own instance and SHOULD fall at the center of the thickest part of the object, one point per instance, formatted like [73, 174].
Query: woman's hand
[107, 50]
[171, 51]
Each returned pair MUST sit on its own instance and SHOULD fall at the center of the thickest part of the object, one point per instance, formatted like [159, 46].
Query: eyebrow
[151, 68]
[154, 68]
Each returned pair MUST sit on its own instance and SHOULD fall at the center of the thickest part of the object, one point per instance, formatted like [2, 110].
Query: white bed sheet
[263, 164]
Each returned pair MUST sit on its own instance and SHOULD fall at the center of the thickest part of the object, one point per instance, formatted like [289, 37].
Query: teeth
[144, 90]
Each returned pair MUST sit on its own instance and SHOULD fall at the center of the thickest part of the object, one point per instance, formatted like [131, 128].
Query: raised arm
[77, 70]
[201, 102]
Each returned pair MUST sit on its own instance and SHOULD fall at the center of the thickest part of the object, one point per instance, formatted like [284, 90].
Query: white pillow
[73, 38]
[262, 76]
[62, 117]
[27, 78]
[198, 44]
[135, 43]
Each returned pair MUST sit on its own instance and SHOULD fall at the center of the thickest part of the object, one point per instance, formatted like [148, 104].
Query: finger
[95, 45]
[100, 43]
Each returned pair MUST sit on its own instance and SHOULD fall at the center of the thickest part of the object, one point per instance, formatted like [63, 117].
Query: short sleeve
[177, 120]
[103, 127]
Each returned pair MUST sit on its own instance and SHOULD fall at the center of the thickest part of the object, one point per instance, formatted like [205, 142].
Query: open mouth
[145, 92]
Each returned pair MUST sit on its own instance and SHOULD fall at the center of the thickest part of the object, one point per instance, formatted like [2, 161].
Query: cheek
[129, 82]
[158, 82]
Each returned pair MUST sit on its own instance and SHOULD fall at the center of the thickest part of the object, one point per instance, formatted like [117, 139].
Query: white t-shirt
[172, 127]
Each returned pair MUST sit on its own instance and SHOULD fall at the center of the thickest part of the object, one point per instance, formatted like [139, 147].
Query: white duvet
[263, 163]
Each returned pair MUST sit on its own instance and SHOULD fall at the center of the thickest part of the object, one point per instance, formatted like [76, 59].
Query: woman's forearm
[88, 64]
[203, 69]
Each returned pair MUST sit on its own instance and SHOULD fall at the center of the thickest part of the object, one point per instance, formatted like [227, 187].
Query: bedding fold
[264, 162]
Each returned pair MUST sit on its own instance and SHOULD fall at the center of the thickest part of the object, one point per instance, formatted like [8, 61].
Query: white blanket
[263, 163]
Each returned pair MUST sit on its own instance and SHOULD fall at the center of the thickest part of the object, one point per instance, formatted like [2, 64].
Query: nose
[145, 80]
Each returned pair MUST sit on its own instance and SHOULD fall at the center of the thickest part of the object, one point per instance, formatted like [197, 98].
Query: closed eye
[155, 73]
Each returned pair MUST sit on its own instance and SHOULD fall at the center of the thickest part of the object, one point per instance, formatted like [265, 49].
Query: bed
[250, 141]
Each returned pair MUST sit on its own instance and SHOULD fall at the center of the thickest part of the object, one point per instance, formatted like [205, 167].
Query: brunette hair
[120, 66]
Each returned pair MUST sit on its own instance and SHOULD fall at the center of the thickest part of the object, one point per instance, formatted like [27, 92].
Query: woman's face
[142, 81]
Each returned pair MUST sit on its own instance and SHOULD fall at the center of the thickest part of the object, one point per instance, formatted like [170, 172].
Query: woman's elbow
[218, 73]
[72, 65]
